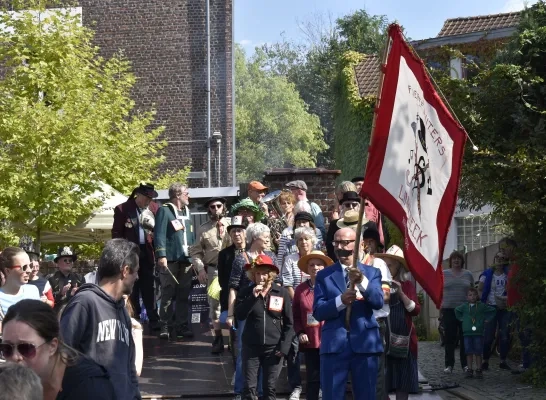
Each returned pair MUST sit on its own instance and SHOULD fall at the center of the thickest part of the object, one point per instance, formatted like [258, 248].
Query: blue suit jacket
[364, 334]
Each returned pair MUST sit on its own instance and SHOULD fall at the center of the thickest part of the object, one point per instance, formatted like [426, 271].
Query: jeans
[453, 329]
[293, 363]
[239, 377]
[312, 367]
[255, 357]
[144, 287]
[501, 320]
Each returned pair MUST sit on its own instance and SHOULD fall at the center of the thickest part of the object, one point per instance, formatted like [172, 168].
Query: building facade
[166, 42]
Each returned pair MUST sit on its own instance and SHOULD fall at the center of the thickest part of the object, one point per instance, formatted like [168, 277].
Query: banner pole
[356, 254]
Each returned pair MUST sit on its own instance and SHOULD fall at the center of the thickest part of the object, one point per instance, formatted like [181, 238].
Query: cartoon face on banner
[419, 166]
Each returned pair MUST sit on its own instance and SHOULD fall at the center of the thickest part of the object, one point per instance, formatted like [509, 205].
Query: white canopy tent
[97, 228]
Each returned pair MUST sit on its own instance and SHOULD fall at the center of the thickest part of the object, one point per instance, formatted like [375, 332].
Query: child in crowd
[473, 315]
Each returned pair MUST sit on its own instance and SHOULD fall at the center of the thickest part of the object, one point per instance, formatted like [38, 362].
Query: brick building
[166, 41]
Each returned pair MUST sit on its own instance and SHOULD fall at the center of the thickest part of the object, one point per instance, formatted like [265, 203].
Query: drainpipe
[218, 137]
[233, 164]
[208, 96]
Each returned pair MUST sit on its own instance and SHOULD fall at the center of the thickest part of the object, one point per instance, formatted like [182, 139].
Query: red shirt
[302, 309]
[512, 290]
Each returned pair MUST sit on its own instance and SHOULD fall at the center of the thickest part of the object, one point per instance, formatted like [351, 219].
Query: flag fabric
[414, 162]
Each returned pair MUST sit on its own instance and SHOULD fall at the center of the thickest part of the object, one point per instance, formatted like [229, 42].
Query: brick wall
[320, 182]
[167, 44]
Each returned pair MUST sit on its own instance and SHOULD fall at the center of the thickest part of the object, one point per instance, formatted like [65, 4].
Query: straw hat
[302, 263]
[350, 220]
[395, 253]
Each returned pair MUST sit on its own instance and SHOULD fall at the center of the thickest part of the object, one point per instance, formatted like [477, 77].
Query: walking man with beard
[127, 225]
[96, 323]
[171, 236]
[204, 254]
[355, 350]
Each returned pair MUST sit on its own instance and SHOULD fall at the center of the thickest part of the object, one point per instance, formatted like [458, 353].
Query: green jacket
[479, 313]
[169, 242]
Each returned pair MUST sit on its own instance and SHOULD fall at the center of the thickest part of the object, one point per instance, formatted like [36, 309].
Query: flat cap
[297, 185]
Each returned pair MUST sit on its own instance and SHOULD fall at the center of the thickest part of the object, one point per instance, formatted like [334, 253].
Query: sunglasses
[24, 268]
[217, 206]
[67, 260]
[351, 204]
[27, 350]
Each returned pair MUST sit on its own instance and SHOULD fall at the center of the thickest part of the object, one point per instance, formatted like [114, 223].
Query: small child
[473, 315]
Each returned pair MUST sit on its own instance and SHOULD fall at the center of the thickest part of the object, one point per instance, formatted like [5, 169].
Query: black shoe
[183, 332]
[485, 365]
[504, 365]
[218, 345]
[164, 334]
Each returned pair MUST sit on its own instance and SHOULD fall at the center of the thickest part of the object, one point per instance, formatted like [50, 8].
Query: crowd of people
[284, 286]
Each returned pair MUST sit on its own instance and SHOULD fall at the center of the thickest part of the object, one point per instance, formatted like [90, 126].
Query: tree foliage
[273, 124]
[504, 108]
[67, 122]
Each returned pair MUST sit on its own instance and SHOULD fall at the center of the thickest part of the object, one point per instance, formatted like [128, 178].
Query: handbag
[398, 344]
[214, 289]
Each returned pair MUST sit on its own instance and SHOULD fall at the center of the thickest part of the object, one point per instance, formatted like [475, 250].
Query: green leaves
[68, 123]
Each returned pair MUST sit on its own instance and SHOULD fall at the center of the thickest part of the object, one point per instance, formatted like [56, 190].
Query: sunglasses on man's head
[24, 268]
[27, 350]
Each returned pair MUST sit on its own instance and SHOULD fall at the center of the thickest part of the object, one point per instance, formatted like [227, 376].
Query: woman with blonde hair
[287, 202]
[267, 337]
[31, 337]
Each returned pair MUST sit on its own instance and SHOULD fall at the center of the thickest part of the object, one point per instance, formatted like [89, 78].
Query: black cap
[146, 189]
[220, 199]
[304, 216]
[350, 196]
[357, 179]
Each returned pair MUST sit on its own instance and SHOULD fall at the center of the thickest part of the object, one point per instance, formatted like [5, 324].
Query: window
[475, 232]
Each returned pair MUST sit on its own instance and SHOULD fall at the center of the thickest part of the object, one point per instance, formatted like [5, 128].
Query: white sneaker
[448, 370]
[295, 395]
[238, 397]
[465, 369]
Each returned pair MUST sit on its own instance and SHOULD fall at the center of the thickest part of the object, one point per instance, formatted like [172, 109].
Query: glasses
[351, 204]
[215, 206]
[342, 243]
[67, 260]
[27, 350]
[24, 268]
[185, 193]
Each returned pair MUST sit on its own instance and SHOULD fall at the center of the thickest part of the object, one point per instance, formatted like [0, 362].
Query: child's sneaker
[479, 374]
[469, 373]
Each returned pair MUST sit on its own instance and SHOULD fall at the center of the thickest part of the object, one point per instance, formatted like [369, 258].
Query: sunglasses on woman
[27, 350]
[24, 268]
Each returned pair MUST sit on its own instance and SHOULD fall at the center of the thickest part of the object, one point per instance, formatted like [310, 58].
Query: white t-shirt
[385, 277]
[498, 287]
[26, 292]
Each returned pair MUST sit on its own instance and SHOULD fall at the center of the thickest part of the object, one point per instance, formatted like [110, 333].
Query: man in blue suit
[355, 350]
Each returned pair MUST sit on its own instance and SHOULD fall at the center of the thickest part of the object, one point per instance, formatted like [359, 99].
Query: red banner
[414, 163]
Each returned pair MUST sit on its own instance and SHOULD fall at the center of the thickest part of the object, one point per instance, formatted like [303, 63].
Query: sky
[258, 22]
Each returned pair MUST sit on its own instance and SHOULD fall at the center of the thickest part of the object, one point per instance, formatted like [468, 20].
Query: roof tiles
[482, 23]
[367, 75]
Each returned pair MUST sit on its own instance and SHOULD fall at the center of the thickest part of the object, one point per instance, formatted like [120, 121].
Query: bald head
[344, 245]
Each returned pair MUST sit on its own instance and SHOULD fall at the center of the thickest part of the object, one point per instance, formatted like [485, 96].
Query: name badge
[177, 225]
[276, 303]
[311, 321]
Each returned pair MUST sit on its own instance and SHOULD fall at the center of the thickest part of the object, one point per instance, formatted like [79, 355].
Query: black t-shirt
[86, 380]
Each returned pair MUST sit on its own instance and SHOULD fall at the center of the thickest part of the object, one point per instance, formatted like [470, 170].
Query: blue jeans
[293, 369]
[501, 320]
[239, 377]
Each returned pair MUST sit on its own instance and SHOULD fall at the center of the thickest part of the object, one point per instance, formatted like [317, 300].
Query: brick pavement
[497, 383]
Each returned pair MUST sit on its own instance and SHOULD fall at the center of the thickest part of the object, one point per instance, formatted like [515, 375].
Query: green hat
[248, 204]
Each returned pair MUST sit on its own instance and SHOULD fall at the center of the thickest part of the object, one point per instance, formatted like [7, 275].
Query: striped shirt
[456, 287]
[292, 276]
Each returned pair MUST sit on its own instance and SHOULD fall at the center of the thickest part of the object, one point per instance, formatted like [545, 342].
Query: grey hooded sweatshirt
[100, 327]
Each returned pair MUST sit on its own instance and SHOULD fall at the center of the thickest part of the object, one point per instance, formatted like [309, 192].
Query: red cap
[262, 261]
[255, 185]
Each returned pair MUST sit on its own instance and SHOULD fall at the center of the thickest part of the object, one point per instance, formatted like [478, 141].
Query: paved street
[497, 383]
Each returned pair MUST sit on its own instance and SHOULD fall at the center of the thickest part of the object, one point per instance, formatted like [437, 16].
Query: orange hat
[255, 185]
[262, 261]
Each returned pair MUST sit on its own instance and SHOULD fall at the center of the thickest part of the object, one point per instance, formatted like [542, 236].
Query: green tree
[273, 124]
[67, 122]
[504, 109]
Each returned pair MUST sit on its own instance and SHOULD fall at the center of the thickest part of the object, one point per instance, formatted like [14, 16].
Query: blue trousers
[239, 385]
[334, 371]
[501, 320]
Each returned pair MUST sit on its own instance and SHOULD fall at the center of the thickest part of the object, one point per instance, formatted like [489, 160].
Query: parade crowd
[283, 285]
